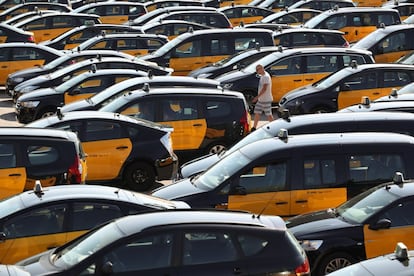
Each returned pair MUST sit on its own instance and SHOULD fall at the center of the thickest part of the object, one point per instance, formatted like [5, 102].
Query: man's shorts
[265, 107]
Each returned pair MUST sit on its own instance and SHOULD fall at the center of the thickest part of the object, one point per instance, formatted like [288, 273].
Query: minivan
[355, 22]
[53, 157]
[205, 120]
[291, 175]
[192, 50]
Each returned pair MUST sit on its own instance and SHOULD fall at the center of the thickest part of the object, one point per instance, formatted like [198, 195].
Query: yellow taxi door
[47, 34]
[281, 84]
[187, 134]
[383, 241]
[135, 52]
[183, 65]
[390, 57]
[8, 67]
[350, 33]
[105, 157]
[114, 19]
[3, 38]
[77, 94]
[347, 98]
[13, 181]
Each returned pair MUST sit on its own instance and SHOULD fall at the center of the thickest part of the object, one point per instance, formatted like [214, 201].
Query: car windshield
[363, 206]
[265, 61]
[56, 62]
[10, 205]
[113, 105]
[259, 134]
[70, 83]
[167, 47]
[407, 89]
[85, 246]
[232, 59]
[221, 171]
[369, 40]
[333, 78]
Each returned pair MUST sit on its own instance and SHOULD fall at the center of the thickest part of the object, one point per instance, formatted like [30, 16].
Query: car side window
[319, 173]
[40, 155]
[150, 252]
[41, 221]
[335, 22]
[7, 156]
[87, 215]
[287, 66]
[400, 215]
[102, 131]
[63, 22]
[360, 82]
[219, 47]
[396, 78]
[25, 54]
[178, 110]
[217, 109]
[188, 49]
[145, 110]
[204, 247]
[321, 63]
[374, 167]
[38, 24]
[264, 178]
[252, 245]
[392, 43]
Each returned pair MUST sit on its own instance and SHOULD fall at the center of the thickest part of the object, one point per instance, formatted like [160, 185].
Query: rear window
[42, 154]
[216, 109]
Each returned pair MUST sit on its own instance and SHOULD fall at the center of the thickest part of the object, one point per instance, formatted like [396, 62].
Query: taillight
[31, 39]
[303, 269]
[244, 121]
[75, 171]
[346, 44]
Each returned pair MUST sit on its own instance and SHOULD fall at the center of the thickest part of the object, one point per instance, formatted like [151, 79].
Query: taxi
[17, 56]
[388, 43]
[405, 9]
[6, 4]
[295, 17]
[116, 12]
[44, 102]
[172, 28]
[32, 6]
[9, 33]
[366, 226]
[355, 22]
[46, 217]
[122, 151]
[244, 14]
[322, 5]
[50, 25]
[347, 86]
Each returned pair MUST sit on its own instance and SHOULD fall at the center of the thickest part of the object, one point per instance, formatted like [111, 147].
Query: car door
[394, 46]
[262, 188]
[183, 114]
[373, 84]
[107, 145]
[382, 241]
[12, 176]
[33, 231]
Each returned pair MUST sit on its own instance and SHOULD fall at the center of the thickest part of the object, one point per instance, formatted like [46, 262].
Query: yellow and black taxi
[45, 101]
[135, 44]
[397, 263]
[33, 6]
[179, 242]
[293, 68]
[290, 175]
[304, 37]
[172, 28]
[274, 5]
[195, 49]
[50, 25]
[57, 77]
[9, 33]
[158, 4]
[366, 226]
[22, 75]
[404, 103]
[295, 17]
[114, 12]
[97, 101]
[15, 56]
[404, 8]
[136, 153]
[322, 5]
[388, 43]
[54, 157]
[205, 120]
[244, 14]
[43, 218]
[355, 22]
[396, 122]
[75, 36]
[347, 86]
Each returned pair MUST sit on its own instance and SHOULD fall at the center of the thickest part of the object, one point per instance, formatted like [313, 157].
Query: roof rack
[365, 101]
[283, 134]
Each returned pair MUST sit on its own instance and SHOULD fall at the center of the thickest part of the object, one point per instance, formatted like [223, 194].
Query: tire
[46, 113]
[334, 262]
[216, 148]
[139, 176]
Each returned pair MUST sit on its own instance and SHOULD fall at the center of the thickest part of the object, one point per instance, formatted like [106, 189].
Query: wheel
[334, 262]
[46, 113]
[139, 176]
[216, 148]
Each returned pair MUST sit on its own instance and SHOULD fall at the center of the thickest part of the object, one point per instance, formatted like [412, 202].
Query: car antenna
[59, 113]
[38, 190]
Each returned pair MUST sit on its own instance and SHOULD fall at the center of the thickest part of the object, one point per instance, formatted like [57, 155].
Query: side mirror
[2, 237]
[380, 224]
[107, 268]
[74, 92]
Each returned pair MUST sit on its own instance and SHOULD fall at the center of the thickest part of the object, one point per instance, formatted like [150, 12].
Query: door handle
[301, 201]
[308, 79]
[197, 125]
[4, 66]
[281, 203]
[375, 93]
[297, 80]
[15, 174]
[121, 147]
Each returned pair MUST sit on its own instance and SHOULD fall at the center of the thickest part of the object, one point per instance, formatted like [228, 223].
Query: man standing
[264, 97]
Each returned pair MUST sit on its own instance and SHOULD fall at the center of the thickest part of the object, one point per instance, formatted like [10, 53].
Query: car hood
[12, 270]
[78, 105]
[231, 76]
[27, 73]
[177, 191]
[299, 92]
[32, 82]
[198, 165]
[319, 221]
[203, 70]
[37, 94]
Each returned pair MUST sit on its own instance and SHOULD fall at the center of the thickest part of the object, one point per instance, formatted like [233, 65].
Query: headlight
[17, 80]
[28, 89]
[29, 104]
[227, 85]
[205, 75]
[311, 245]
